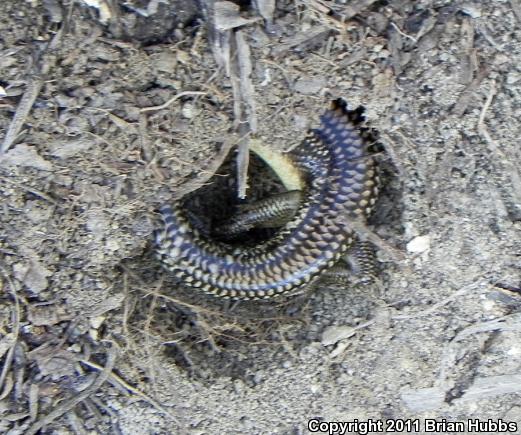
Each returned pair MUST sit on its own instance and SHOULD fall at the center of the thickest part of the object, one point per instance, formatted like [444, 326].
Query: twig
[71, 403]
[76, 424]
[301, 39]
[16, 329]
[510, 322]
[34, 87]
[405, 35]
[450, 354]
[247, 117]
[23, 109]
[481, 28]
[32, 190]
[173, 99]
[116, 379]
[247, 89]
[516, 8]
[365, 233]
[433, 398]
[504, 160]
[481, 121]
[266, 8]
[391, 148]
[203, 176]
[243, 160]
[437, 305]
[119, 122]
[354, 8]
[461, 105]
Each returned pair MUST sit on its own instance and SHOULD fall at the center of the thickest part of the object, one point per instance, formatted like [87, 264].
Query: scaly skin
[342, 184]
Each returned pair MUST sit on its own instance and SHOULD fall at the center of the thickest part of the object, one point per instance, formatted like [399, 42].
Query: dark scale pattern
[341, 176]
[271, 212]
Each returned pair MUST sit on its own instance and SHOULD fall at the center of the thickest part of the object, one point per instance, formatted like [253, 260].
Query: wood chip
[429, 399]
[516, 8]
[464, 100]
[266, 9]
[302, 40]
[47, 315]
[6, 342]
[27, 156]
[227, 17]
[66, 406]
[334, 334]
[23, 109]
[103, 9]
[355, 7]
[247, 89]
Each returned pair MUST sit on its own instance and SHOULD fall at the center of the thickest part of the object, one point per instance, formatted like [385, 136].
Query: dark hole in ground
[214, 203]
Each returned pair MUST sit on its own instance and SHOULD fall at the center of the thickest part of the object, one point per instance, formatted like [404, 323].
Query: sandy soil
[96, 338]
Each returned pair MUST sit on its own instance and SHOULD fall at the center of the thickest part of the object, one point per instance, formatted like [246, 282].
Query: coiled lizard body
[341, 178]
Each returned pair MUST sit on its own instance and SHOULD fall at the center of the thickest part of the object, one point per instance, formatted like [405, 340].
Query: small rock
[112, 245]
[33, 275]
[513, 77]
[227, 16]
[68, 148]
[45, 315]
[188, 111]
[310, 86]
[286, 364]
[166, 62]
[239, 386]
[182, 57]
[419, 244]
[471, 10]
[301, 122]
[340, 349]
[334, 334]
[96, 322]
[97, 223]
[315, 388]
[25, 155]
[56, 364]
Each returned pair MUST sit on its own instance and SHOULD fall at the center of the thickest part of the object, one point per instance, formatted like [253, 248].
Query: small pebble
[334, 334]
[188, 111]
[419, 244]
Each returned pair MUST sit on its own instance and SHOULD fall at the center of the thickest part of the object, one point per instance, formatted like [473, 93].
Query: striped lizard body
[341, 184]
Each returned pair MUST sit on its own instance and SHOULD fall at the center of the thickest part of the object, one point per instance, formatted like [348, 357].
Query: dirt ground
[108, 110]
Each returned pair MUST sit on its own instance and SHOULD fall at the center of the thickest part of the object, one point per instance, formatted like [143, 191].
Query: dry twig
[22, 111]
[516, 8]
[510, 168]
[115, 379]
[16, 331]
[34, 87]
[464, 99]
[438, 305]
[71, 403]
[171, 100]
[203, 176]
